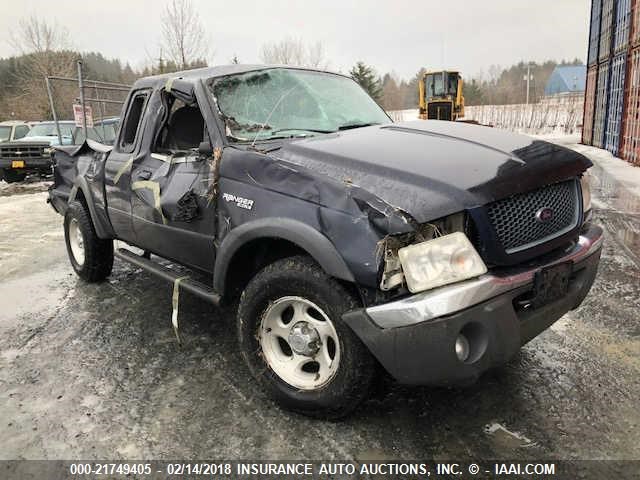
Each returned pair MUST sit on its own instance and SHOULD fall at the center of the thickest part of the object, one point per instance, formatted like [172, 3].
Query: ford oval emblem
[544, 215]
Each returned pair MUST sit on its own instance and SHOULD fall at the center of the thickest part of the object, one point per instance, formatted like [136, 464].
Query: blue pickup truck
[350, 244]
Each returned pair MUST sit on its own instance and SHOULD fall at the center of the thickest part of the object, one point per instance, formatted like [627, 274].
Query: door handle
[144, 175]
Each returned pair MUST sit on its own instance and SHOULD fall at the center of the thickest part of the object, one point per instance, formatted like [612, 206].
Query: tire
[91, 257]
[298, 291]
[11, 176]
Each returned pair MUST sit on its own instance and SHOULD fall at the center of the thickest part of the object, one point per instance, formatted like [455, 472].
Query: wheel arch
[278, 235]
[82, 192]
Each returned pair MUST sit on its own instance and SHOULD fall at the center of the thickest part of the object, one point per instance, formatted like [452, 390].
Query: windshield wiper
[314, 130]
[276, 137]
[349, 126]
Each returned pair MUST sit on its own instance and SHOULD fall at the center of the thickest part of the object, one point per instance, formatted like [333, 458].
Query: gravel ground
[94, 371]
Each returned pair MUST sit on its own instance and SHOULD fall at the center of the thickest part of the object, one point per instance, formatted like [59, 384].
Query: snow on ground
[624, 172]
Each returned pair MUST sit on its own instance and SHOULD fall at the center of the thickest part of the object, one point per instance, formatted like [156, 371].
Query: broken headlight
[585, 186]
[440, 261]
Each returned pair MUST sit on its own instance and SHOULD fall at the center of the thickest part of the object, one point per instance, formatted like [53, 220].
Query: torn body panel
[352, 219]
[79, 172]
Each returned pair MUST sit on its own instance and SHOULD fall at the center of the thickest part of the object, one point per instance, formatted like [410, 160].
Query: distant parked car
[47, 132]
[32, 153]
[103, 131]
[13, 130]
[107, 130]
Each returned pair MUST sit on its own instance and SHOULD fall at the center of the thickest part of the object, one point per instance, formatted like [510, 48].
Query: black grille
[439, 111]
[17, 152]
[515, 218]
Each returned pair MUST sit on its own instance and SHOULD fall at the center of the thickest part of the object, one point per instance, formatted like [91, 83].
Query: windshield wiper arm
[314, 130]
[349, 126]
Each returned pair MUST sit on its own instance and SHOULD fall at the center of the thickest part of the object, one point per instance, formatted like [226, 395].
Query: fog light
[462, 348]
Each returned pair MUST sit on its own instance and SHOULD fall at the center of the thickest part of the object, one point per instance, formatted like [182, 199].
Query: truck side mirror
[205, 149]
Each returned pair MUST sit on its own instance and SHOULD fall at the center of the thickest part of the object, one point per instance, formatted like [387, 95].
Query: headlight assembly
[585, 186]
[440, 261]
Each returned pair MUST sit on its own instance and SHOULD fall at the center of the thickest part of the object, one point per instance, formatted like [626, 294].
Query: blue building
[566, 79]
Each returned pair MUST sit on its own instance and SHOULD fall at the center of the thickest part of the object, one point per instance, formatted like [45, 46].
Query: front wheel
[295, 343]
[91, 257]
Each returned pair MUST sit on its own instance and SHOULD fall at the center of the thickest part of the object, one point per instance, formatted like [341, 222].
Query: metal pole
[102, 113]
[53, 109]
[528, 78]
[81, 86]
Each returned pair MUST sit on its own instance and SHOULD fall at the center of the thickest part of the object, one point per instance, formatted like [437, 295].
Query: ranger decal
[239, 201]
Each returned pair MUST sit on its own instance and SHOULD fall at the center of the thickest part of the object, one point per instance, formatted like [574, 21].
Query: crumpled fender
[299, 233]
[87, 146]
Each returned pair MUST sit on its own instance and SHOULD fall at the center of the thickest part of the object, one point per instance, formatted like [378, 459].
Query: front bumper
[414, 338]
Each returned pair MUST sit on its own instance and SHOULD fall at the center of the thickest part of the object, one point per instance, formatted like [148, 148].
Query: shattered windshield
[281, 103]
[5, 133]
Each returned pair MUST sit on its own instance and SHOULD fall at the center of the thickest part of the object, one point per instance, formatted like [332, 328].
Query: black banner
[295, 469]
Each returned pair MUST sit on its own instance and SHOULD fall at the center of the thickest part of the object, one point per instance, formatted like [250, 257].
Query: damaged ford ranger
[350, 244]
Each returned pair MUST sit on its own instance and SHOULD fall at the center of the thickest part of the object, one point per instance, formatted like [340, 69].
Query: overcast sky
[399, 36]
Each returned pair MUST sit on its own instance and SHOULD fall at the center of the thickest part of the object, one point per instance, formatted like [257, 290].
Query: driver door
[170, 184]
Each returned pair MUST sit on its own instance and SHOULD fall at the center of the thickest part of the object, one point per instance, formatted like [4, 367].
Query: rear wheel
[91, 257]
[295, 343]
[12, 176]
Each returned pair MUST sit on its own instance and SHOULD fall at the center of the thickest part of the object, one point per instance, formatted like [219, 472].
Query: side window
[132, 122]
[183, 128]
[21, 131]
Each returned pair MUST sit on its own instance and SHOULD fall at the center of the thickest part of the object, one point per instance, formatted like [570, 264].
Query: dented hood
[434, 168]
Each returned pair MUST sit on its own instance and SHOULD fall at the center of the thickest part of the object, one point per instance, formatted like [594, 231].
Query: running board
[197, 288]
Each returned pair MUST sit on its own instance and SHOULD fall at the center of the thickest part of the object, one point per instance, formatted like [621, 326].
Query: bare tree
[183, 36]
[46, 50]
[293, 51]
[316, 57]
[35, 35]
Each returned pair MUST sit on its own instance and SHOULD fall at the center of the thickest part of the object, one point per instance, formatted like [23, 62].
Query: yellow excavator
[441, 96]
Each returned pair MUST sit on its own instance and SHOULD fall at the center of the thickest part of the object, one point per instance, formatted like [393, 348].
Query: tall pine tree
[368, 79]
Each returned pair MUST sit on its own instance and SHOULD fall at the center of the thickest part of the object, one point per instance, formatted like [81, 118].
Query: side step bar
[197, 288]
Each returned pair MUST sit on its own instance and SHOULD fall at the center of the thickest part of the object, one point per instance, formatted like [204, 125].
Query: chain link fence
[103, 100]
